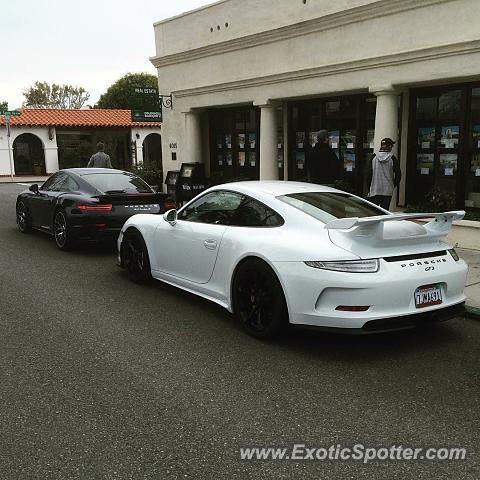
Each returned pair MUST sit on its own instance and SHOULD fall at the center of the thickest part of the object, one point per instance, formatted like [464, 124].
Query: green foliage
[435, 200]
[149, 172]
[121, 94]
[44, 95]
[3, 105]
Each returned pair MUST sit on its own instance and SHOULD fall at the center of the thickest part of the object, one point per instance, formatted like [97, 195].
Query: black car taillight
[102, 207]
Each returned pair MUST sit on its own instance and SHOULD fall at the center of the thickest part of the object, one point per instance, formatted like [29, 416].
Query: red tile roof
[31, 117]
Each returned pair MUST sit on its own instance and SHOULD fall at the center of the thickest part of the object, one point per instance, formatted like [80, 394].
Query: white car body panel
[180, 256]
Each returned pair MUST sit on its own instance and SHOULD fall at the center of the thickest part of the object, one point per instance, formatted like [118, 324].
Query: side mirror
[171, 217]
[33, 188]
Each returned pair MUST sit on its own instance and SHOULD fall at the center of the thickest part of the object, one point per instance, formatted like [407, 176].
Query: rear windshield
[327, 206]
[117, 183]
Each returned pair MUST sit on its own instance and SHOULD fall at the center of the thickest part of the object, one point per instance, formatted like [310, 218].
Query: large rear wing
[438, 226]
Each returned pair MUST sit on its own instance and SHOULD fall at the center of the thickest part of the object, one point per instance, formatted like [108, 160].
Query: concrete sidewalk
[472, 286]
[21, 179]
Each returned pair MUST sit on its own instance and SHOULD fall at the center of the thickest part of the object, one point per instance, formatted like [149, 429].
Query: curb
[472, 312]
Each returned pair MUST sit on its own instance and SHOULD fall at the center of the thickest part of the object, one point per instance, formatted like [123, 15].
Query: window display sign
[313, 138]
[219, 141]
[280, 140]
[449, 136]
[333, 138]
[349, 161]
[229, 159]
[252, 140]
[241, 159]
[300, 160]
[252, 158]
[280, 159]
[369, 140]
[228, 140]
[476, 136]
[448, 163]
[348, 139]
[426, 137]
[220, 159]
[475, 164]
[241, 140]
[300, 139]
[425, 163]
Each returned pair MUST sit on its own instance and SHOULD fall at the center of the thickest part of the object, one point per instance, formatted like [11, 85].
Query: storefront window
[350, 122]
[234, 144]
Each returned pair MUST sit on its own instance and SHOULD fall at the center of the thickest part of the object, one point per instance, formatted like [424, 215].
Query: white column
[386, 122]
[386, 118]
[193, 147]
[268, 142]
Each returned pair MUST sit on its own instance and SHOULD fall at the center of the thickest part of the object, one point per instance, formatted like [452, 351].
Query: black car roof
[88, 171]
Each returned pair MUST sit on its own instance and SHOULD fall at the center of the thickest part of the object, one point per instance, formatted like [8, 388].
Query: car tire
[135, 257]
[23, 217]
[258, 300]
[61, 231]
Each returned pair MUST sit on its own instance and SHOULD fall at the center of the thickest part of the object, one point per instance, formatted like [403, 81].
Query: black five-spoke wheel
[23, 220]
[135, 257]
[258, 299]
[61, 231]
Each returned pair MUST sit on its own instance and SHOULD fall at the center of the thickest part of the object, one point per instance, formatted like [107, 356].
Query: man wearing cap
[385, 174]
[323, 165]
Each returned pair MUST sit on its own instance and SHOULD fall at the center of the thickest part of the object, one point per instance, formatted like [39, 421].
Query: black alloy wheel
[258, 300]
[61, 231]
[23, 218]
[135, 257]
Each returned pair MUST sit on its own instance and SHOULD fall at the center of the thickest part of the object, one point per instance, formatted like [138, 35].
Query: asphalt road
[104, 379]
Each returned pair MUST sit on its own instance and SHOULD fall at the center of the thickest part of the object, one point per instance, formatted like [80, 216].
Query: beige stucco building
[252, 81]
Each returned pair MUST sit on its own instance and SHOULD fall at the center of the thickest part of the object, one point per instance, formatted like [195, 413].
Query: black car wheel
[135, 257]
[23, 218]
[61, 231]
[258, 300]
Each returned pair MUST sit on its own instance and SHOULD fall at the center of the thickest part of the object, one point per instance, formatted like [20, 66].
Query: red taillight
[101, 207]
[353, 308]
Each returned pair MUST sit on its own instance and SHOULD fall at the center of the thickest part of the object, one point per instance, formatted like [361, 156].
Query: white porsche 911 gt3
[275, 253]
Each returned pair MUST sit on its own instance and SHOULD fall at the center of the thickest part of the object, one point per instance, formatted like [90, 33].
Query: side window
[46, 187]
[215, 208]
[253, 213]
[69, 185]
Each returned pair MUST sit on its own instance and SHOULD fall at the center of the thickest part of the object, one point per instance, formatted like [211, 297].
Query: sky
[88, 43]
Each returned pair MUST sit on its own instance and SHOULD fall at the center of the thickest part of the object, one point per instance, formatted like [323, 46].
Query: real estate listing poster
[300, 160]
[252, 159]
[252, 140]
[241, 140]
[241, 159]
[425, 163]
[334, 138]
[348, 139]
[426, 137]
[449, 136]
[300, 139]
[476, 136]
[349, 161]
[448, 163]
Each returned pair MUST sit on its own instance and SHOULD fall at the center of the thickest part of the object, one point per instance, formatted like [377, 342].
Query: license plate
[428, 296]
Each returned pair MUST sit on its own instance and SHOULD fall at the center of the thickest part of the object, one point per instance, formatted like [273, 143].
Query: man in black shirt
[323, 165]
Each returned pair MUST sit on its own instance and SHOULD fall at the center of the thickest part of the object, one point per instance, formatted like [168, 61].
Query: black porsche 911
[86, 204]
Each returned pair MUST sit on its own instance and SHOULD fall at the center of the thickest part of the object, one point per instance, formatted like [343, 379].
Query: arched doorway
[152, 150]
[28, 155]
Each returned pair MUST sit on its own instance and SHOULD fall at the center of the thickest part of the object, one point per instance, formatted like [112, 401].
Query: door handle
[210, 244]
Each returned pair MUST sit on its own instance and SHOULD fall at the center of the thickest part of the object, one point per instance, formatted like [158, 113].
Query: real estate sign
[147, 105]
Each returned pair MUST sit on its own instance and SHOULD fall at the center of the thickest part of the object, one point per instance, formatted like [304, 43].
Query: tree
[3, 106]
[121, 93]
[44, 95]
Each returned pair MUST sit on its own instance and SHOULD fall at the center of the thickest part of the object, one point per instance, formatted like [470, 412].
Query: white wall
[49, 146]
[285, 49]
